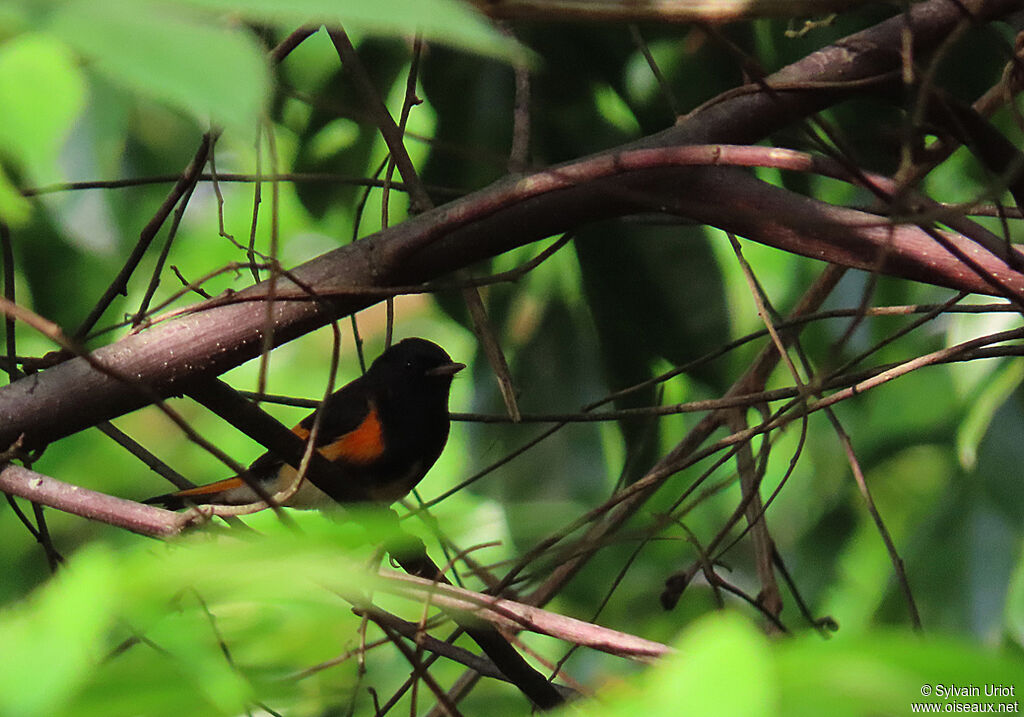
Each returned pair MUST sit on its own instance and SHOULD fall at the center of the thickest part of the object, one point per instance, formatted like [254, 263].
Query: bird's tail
[230, 491]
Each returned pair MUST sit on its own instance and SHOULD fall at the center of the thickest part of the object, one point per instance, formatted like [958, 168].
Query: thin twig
[894, 557]
[120, 283]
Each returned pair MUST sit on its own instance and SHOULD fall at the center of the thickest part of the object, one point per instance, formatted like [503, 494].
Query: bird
[384, 430]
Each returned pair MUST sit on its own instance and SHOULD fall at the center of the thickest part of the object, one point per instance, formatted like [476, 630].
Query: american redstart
[384, 430]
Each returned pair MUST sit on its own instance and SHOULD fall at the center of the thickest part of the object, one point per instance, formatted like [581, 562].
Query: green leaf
[723, 667]
[448, 22]
[653, 289]
[655, 293]
[992, 395]
[727, 666]
[711, 651]
[1014, 611]
[50, 643]
[884, 673]
[147, 632]
[42, 92]
[213, 71]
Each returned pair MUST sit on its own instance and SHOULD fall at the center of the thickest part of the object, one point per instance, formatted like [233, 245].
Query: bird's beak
[448, 369]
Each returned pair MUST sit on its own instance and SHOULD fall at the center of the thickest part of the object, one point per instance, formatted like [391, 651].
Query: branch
[136, 517]
[512, 615]
[217, 336]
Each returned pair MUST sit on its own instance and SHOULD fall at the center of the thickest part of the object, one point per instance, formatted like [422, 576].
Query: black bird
[384, 430]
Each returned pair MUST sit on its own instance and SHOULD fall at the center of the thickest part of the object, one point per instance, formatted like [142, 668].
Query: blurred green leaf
[268, 600]
[52, 642]
[710, 652]
[448, 22]
[1000, 453]
[991, 395]
[548, 480]
[723, 667]
[654, 293]
[447, 80]
[727, 667]
[329, 143]
[884, 672]
[215, 72]
[42, 91]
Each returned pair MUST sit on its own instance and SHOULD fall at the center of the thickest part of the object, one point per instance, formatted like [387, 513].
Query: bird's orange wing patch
[363, 444]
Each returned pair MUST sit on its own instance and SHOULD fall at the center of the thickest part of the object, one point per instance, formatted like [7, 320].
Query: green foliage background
[105, 90]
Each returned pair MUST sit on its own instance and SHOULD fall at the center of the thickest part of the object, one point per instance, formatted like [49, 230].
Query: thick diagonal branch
[219, 335]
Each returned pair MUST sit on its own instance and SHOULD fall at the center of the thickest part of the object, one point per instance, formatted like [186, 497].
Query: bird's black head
[415, 364]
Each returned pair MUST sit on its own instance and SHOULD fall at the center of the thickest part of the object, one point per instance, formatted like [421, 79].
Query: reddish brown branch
[513, 212]
[519, 616]
[127, 514]
[218, 336]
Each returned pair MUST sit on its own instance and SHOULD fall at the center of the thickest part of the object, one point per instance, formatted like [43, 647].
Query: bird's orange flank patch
[363, 444]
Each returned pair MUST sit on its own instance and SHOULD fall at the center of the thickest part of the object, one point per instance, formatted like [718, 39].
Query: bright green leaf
[885, 673]
[42, 92]
[51, 643]
[614, 110]
[726, 666]
[723, 668]
[711, 651]
[215, 72]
